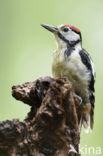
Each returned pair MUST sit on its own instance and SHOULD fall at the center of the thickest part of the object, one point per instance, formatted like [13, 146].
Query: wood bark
[51, 126]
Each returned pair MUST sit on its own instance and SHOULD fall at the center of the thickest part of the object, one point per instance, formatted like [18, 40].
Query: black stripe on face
[69, 43]
[62, 37]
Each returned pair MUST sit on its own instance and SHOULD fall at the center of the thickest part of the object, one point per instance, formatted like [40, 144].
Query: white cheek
[71, 36]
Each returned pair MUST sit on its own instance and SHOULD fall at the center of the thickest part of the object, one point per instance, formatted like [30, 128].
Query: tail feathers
[92, 117]
[87, 123]
[86, 117]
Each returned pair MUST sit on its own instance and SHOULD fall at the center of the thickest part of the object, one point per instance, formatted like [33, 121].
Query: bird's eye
[65, 29]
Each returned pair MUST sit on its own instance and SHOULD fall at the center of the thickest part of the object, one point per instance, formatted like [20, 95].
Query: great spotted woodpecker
[71, 61]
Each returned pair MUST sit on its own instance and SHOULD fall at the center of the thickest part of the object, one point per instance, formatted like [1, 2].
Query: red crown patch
[72, 27]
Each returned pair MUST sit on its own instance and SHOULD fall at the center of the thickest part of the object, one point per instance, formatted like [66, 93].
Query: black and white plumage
[70, 60]
[89, 64]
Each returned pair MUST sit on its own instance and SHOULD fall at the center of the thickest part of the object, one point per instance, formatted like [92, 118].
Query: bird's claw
[79, 98]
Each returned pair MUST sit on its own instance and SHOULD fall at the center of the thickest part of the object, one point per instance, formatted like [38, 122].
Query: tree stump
[51, 126]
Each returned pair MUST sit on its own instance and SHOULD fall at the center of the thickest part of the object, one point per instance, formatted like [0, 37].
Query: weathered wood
[50, 128]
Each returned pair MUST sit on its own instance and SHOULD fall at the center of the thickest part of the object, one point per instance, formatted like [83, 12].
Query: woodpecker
[71, 61]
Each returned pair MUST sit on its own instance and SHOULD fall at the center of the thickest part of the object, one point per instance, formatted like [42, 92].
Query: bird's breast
[72, 68]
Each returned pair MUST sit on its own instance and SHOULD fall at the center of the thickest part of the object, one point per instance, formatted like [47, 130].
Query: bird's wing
[86, 59]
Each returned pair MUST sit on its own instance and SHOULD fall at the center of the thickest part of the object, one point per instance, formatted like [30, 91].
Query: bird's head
[65, 34]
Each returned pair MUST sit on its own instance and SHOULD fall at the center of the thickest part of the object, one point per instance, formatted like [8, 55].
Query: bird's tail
[87, 123]
[86, 118]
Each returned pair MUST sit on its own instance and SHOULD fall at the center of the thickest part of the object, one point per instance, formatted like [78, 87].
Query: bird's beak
[50, 28]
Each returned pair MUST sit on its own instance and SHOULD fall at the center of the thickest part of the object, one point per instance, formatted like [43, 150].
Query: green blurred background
[26, 50]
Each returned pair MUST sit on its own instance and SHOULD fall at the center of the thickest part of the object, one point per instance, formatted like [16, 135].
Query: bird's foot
[79, 98]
